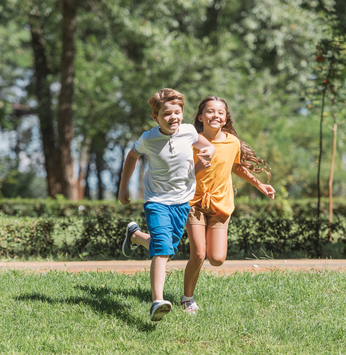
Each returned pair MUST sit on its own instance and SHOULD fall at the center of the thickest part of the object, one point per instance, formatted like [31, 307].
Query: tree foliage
[260, 56]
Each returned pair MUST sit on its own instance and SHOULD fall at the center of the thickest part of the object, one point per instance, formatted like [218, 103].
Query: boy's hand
[267, 190]
[124, 196]
[201, 165]
[207, 153]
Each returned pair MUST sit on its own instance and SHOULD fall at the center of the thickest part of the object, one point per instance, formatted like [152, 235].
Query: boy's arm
[206, 149]
[129, 166]
[201, 165]
[243, 173]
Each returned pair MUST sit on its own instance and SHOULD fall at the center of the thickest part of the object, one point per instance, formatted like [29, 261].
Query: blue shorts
[166, 225]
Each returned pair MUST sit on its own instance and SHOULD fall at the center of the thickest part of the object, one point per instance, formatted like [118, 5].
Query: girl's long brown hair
[248, 157]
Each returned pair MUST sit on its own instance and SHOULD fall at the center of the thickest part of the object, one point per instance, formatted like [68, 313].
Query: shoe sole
[160, 312]
[124, 242]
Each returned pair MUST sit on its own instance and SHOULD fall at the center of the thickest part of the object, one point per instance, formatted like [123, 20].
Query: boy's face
[169, 118]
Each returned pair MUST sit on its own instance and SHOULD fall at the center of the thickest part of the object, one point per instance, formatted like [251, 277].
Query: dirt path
[132, 266]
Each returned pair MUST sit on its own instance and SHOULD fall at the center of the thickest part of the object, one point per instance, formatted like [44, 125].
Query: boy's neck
[214, 135]
[169, 134]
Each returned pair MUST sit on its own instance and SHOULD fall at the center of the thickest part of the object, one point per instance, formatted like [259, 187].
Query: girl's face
[214, 115]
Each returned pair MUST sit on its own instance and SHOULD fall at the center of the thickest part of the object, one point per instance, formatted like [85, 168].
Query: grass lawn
[108, 313]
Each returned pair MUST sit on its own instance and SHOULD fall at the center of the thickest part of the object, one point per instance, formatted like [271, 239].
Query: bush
[245, 207]
[60, 207]
[19, 239]
[101, 237]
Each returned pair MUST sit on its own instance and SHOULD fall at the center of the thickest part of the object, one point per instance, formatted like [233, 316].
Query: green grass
[108, 313]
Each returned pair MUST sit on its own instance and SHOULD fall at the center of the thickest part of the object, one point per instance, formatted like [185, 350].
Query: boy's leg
[133, 238]
[157, 276]
[216, 246]
[196, 233]
[159, 307]
[139, 237]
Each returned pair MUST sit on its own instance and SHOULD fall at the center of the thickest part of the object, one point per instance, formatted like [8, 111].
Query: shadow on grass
[100, 304]
[140, 293]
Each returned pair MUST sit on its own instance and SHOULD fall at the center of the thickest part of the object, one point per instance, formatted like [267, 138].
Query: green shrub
[60, 207]
[245, 207]
[101, 237]
[23, 238]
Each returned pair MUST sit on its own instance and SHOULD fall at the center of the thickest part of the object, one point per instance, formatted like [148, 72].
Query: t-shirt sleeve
[139, 146]
[194, 133]
[237, 157]
[195, 157]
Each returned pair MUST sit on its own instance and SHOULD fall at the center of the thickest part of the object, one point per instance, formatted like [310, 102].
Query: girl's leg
[139, 237]
[196, 233]
[157, 276]
[216, 246]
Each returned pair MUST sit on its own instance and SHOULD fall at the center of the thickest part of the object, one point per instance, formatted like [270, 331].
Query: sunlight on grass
[108, 313]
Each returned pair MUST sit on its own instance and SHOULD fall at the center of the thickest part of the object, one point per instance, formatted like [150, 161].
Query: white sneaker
[159, 309]
[190, 306]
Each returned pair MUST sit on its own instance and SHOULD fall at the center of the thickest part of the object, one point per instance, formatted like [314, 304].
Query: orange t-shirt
[214, 185]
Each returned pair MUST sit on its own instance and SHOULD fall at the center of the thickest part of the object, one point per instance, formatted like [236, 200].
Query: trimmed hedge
[245, 207]
[101, 237]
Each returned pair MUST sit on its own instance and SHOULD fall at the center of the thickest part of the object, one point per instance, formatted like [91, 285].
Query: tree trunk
[65, 124]
[332, 162]
[44, 109]
[83, 165]
[99, 168]
[320, 155]
[87, 187]
[120, 172]
[325, 87]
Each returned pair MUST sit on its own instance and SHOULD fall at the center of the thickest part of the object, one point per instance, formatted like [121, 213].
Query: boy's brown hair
[164, 96]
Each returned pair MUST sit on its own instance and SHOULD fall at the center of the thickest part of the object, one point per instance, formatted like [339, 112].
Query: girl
[213, 203]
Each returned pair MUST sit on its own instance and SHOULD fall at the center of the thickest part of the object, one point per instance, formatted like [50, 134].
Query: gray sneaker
[159, 309]
[129, 248]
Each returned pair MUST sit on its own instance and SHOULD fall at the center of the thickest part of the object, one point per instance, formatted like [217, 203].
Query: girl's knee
[216, 261]
[198, 258]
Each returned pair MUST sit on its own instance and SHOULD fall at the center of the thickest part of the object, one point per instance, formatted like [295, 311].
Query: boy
[169, 184]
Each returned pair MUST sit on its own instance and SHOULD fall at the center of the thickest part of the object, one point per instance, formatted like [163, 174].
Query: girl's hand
[207, 153]
[268, 190]
[124, 196]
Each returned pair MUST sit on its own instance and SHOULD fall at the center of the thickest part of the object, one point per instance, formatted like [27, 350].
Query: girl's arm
[129, 167]
[243, 173]
[206, 149]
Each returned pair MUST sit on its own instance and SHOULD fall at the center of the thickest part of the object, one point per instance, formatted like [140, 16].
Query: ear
[154, 116]
[200, 119]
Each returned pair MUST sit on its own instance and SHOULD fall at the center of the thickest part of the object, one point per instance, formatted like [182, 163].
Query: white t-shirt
[170, 178]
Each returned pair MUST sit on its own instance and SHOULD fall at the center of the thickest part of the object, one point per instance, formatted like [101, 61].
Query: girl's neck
[214, 135]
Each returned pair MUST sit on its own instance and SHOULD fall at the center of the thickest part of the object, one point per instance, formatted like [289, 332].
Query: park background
[75, 77]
